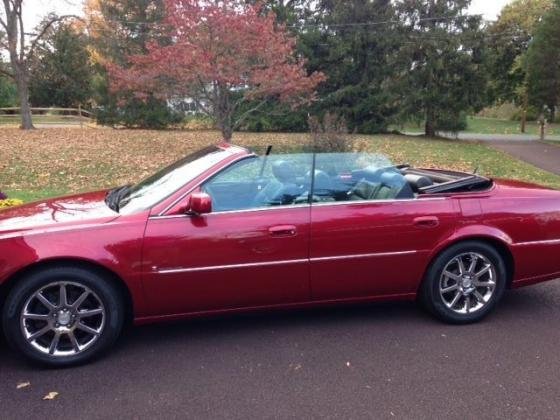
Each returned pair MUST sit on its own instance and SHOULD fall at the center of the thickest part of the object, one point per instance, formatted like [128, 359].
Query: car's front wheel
[63, 316]
[464, 283]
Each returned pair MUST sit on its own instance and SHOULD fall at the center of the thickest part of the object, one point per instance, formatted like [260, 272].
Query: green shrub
[504, 111]
[532, 114]
[329, 134]
[273, 117]
[198, 122]
[134, 113]
[8, 92]
[451, 122]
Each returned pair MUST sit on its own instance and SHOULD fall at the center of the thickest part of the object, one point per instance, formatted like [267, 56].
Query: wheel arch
[113, 277]
[499, 244]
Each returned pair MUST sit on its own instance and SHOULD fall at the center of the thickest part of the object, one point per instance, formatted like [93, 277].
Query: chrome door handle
[282, 231]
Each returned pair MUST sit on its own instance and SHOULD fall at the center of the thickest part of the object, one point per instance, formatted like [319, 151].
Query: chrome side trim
[358, 256]
[230, 266]
[284, 262]
[546, 242]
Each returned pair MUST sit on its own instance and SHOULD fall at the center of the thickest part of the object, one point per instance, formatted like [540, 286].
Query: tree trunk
[224, 111]
[227, 132]
[524, 112]
[542, 123]
[224, 124]
[430, 129]
[25, 109]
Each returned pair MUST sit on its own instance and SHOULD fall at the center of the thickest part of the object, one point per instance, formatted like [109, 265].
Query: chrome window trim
[305, 205]
[370, 202]
[255, 210]
[281, 262]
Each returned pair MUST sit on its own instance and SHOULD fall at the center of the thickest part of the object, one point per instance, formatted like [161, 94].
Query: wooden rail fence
[49, 116]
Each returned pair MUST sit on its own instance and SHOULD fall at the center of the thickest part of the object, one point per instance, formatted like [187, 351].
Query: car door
[246, 253]
[377, 245]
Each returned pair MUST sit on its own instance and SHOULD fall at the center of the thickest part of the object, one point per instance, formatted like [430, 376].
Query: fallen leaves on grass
[67, 160]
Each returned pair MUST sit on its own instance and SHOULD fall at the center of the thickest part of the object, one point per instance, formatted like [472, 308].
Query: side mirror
[201, 203]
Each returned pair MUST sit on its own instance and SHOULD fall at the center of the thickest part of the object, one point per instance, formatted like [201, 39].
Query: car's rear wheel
[63, 316]
[464, 283]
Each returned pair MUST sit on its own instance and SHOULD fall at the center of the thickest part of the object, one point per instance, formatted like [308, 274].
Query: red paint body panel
[227, 239]
[176, 265]
[385, 229]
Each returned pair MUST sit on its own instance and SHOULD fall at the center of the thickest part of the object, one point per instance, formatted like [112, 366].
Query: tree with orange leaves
[220, 54]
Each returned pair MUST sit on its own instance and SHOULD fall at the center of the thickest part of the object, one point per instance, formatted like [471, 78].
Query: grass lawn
[56, 161]
[42, 119]
[493, 126]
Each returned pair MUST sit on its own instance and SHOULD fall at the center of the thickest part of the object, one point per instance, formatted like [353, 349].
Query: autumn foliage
[219, 54]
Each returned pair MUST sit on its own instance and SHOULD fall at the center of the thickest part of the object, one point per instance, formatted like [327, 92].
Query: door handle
[282, 231]
[426, 222]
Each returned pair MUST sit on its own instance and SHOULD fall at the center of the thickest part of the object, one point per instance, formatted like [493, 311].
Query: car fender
[472, 232]
[97, 246]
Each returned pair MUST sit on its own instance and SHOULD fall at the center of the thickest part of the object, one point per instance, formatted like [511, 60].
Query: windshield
[167, 181]
[347, 162]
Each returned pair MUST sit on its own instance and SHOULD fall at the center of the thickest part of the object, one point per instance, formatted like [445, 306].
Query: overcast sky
[35, 9]
[489, 8]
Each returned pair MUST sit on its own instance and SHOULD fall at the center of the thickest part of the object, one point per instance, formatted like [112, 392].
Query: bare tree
[21, 46]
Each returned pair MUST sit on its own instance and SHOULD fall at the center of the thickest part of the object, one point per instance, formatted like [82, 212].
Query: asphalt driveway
[379, 361]
[542, 155]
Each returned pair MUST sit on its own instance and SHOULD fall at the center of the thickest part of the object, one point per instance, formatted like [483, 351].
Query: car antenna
[266, 155]
[476, 171]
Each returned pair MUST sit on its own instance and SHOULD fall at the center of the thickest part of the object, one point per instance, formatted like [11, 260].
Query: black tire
[433, 300]
[100, 290]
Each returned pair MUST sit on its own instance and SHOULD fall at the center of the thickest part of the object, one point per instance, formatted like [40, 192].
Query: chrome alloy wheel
[467, 283]
[62, 319]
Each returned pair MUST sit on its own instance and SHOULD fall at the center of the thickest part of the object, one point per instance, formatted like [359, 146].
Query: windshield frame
[222, 153]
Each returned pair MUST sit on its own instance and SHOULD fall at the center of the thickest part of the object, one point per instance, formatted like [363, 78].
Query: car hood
[72, 210]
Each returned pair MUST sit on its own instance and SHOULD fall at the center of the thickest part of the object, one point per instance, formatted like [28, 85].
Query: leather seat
[394, 186]
[417, 182]
[323, 184]
[391, 186]
[283, 189]
[363, 190]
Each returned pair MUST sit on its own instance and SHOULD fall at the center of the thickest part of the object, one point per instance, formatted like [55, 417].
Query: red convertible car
[224, 230]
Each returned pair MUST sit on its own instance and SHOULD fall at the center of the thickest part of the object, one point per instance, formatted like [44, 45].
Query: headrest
[322, 181]
[283, 171]
[418, 181]
[369, 174]
[393, 179]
